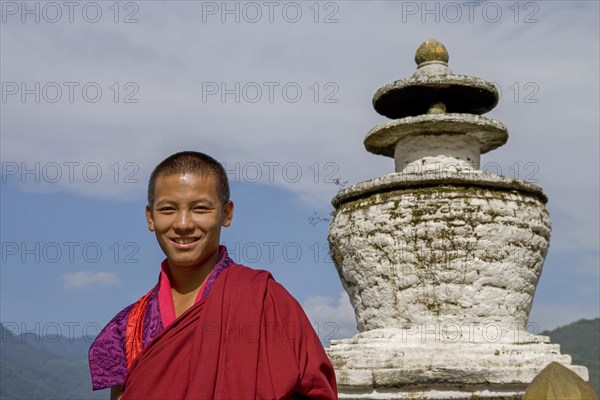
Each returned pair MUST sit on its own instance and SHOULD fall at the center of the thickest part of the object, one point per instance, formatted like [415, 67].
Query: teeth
[185, 240]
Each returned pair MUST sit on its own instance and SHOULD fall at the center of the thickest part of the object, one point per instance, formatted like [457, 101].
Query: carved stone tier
[444, 361]
[434, 89]
[415, 95]
[438, 142]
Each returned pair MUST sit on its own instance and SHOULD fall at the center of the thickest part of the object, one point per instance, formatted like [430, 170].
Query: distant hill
[62, 346]
[31, 372]
[581, 340]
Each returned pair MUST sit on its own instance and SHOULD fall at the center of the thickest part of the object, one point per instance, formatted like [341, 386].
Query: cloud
[82, 279]
[172, 114]
[331, 318]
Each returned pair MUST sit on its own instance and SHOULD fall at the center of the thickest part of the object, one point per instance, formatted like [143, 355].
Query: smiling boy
[186, 214]
[210, 328]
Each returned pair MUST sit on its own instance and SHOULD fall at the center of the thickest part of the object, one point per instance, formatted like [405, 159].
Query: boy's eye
[166, 209]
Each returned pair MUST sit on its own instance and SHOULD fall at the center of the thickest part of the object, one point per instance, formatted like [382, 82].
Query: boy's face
[187, 218]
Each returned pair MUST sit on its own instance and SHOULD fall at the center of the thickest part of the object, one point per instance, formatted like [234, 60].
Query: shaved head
[190, 162]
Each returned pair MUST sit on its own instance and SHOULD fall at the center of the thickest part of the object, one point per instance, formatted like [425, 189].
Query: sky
[95, 94]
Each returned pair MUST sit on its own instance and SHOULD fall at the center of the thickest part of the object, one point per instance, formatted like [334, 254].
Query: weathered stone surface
[432, 179]
[435, 363]
[385, 138]
[443, 254]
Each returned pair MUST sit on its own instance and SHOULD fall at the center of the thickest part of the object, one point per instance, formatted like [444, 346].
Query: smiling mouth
[186, 240]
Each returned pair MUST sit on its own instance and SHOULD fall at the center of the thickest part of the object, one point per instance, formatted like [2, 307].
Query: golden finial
[431, 50]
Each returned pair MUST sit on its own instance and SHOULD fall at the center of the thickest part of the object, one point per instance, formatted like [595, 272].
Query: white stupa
[440, 259]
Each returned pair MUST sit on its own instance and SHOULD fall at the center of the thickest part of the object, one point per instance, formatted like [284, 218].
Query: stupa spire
[437, 122]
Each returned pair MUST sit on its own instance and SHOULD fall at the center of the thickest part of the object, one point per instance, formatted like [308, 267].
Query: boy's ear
[228, 211]
[149, 218]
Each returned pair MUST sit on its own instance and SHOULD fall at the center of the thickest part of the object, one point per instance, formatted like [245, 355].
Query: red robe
[249, 339]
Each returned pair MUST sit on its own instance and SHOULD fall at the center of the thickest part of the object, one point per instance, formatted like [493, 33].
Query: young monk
[210, 328]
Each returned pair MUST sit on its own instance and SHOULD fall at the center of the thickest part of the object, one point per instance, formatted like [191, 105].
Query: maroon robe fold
[249, 339]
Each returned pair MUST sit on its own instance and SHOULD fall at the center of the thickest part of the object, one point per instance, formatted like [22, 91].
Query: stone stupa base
[441, 364]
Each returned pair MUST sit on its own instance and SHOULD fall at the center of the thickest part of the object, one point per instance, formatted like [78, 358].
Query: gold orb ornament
[431, 50]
